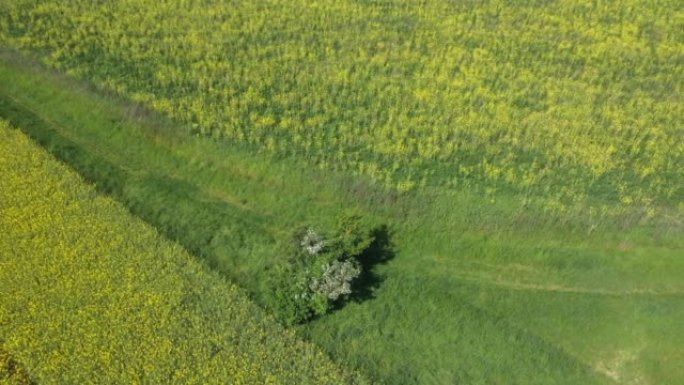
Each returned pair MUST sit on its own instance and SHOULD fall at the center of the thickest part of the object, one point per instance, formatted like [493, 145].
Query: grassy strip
[454, 250]
[93, 295]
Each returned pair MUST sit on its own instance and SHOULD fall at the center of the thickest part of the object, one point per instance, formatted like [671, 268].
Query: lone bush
[320, 272]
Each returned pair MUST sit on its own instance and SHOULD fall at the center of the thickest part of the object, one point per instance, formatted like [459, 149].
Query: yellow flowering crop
[565, 99]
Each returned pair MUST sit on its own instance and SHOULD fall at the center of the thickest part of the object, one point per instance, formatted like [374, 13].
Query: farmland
[453, 94]
[527, 159]
[113, 302]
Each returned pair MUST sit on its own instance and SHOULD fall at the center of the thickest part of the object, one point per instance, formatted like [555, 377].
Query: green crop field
[525, 158]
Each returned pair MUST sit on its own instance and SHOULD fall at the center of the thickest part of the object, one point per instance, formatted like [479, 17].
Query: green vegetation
[11, 372]
[322, 272]
[578, 103]
[90, 294]
[479, 291]
[527, 158]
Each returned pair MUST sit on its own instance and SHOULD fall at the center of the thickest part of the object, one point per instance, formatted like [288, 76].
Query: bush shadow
[380, 251]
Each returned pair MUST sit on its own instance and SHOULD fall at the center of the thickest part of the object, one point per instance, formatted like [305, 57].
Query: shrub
[336, 279]
[320, 272]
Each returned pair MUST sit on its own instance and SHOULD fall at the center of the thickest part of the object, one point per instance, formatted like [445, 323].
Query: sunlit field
[525, 160]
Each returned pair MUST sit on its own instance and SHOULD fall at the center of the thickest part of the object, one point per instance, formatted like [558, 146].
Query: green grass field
[543, 241]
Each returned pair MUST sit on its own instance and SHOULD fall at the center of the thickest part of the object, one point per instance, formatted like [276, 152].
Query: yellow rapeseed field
[565, 99]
